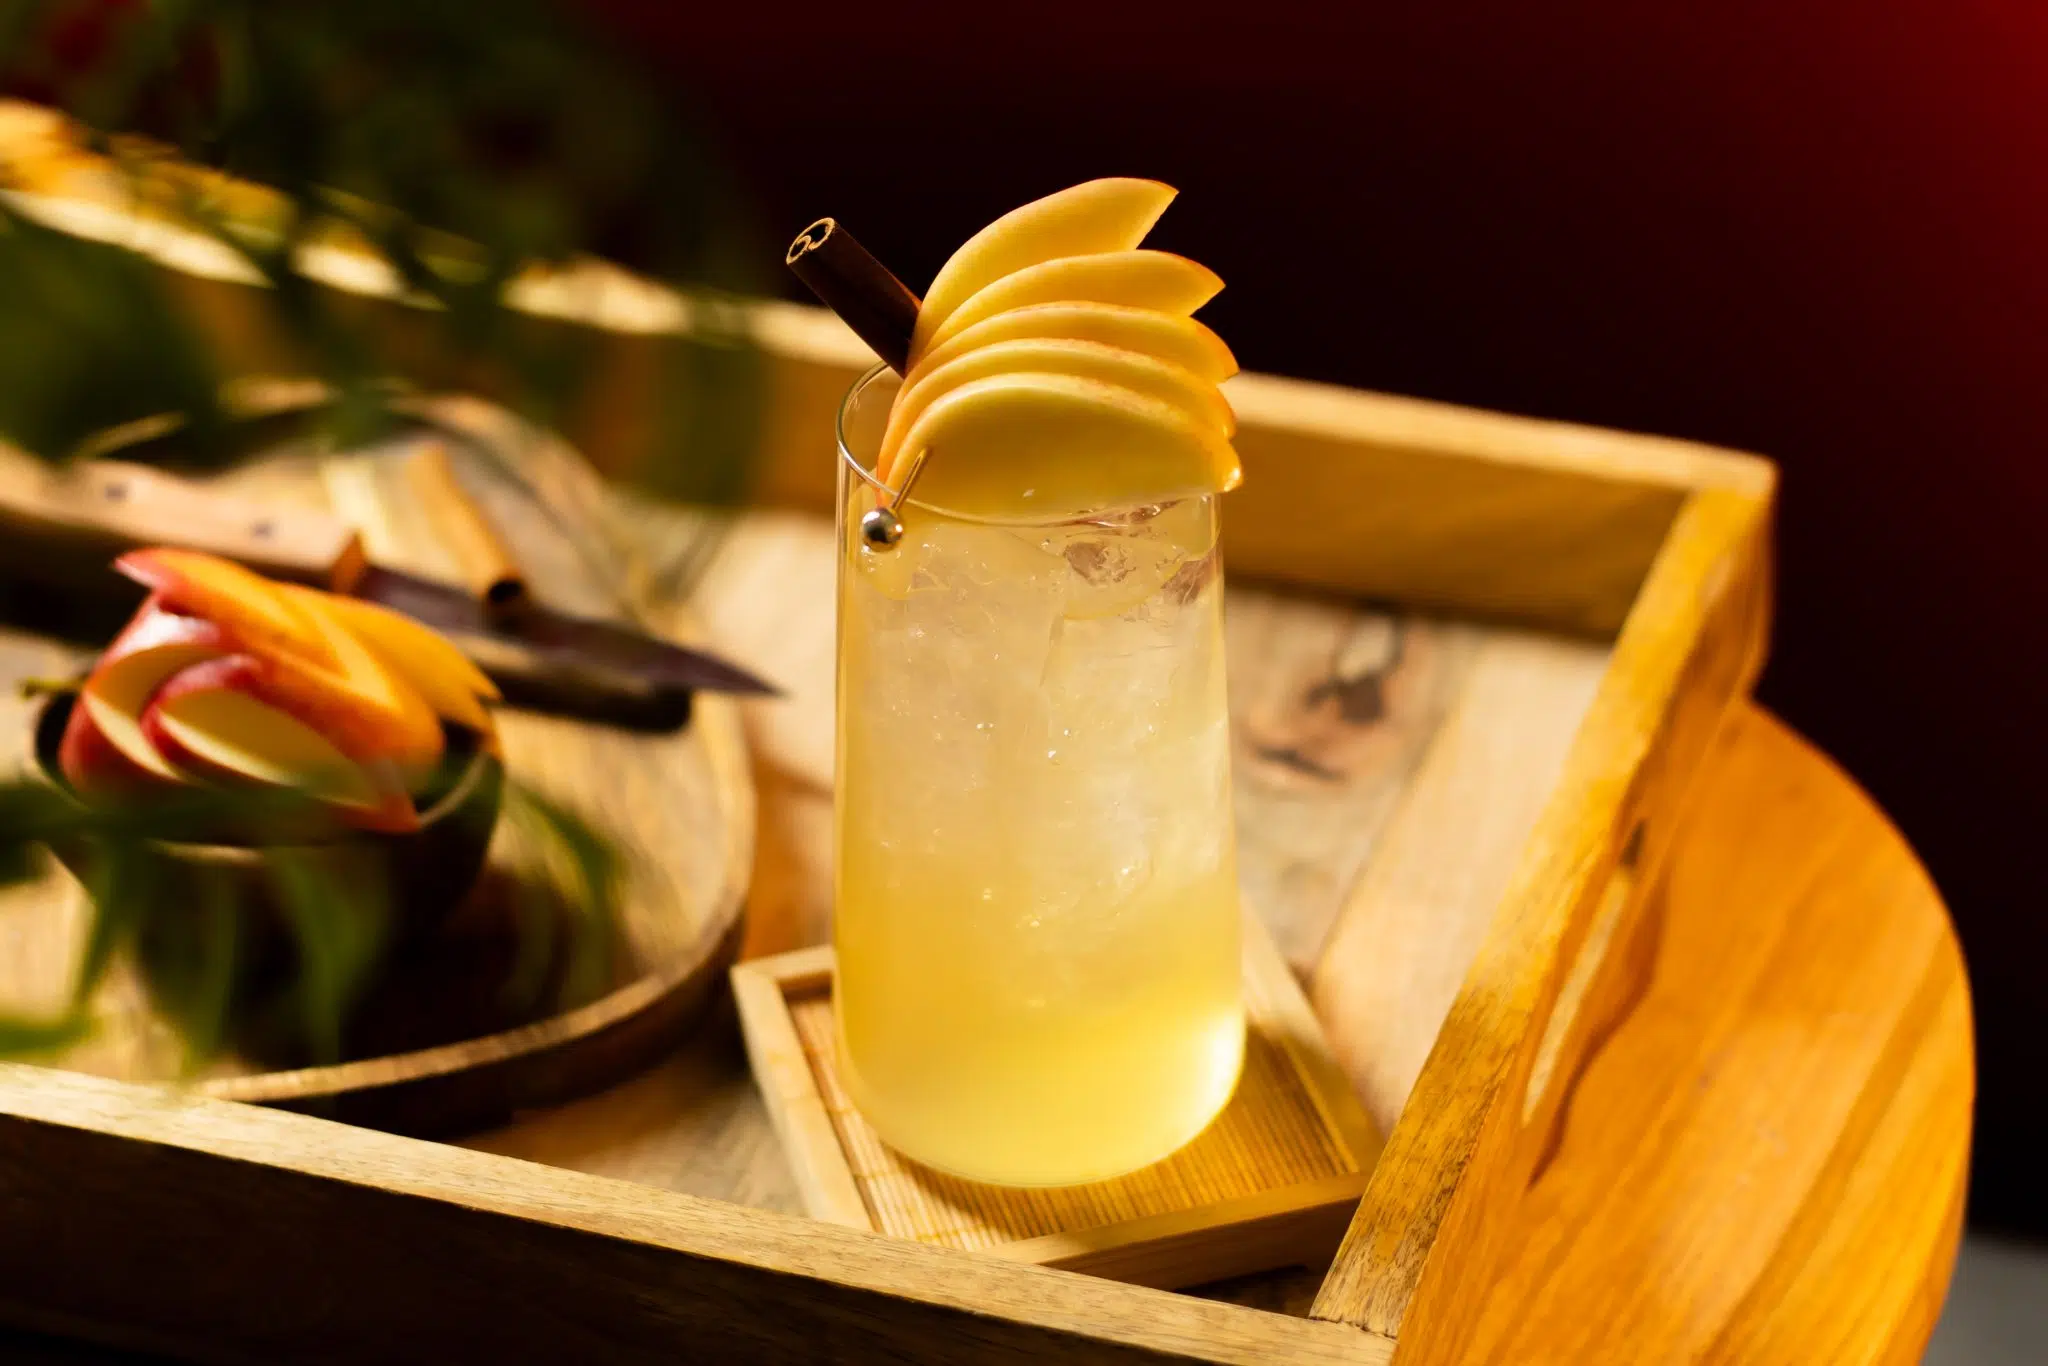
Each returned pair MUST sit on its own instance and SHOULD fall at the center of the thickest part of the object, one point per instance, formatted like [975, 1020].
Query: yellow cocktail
[1037, 917]
[1037, 913]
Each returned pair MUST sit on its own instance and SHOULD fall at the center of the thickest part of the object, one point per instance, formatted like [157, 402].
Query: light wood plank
[227, 1233]
[1333, 708]
[1765, 1159]
[1411, 927]
[1428, 1236]
[782, 1071]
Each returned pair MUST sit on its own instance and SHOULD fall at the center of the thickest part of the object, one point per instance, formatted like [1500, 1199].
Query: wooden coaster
[1272, 1182]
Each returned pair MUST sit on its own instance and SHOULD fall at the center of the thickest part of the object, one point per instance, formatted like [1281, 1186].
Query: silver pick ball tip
[881, 528]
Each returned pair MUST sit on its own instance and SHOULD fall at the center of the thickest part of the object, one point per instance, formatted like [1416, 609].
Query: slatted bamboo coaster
[1271, 1183]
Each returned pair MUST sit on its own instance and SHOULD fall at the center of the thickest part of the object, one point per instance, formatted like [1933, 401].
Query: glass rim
[861, 472]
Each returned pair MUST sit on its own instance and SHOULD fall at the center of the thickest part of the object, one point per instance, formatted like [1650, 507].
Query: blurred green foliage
[461, 141]
[339, 928]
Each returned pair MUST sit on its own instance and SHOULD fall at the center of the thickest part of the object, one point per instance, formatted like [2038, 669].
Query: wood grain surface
[1764, 1160]
[1762, 1163]
[233, 1233]
[1334, 707]
[447, 1051]
[1428, 1230]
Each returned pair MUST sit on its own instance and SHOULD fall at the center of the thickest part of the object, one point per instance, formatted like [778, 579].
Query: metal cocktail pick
[882, 527]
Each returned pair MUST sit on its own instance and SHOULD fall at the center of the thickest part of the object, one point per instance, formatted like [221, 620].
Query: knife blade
[64, 525]
[579, 640]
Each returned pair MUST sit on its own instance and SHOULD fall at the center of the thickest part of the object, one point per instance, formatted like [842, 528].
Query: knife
[62, 525]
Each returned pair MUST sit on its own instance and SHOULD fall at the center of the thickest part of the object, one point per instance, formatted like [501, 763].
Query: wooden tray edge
[1418, 1250]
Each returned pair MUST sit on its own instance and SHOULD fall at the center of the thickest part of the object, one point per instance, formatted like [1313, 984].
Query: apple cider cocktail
[1037, 909]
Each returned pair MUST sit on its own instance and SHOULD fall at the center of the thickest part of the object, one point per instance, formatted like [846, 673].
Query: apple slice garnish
[207, 722]
[313, 667]
[155, 645]
[242, 602]
[1132, 370]
[1044, 446]
[443, 676]
[1136, 279]
[1171, 337]
[1112, 214]
[94, 765]
[364, 705]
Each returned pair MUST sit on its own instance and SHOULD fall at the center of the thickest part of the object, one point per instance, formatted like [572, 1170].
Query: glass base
[1068, 1155]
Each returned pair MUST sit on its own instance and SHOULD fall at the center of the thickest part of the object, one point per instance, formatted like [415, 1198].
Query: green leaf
[536, 939]
[20, 1038]
[594, 872]
[460, 149]
[216, 930]
[30, 813]
[122, 895]
[339, 915]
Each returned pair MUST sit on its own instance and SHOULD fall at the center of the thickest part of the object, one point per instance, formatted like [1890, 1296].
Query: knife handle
[94, 510]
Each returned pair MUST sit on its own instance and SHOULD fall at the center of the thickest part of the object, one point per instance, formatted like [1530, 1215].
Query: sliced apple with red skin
[452, 686]
[155, 644]
[159, 644]
[242, 602]
[365, 706]
[208, 723]
[315, 668]
[91, 763]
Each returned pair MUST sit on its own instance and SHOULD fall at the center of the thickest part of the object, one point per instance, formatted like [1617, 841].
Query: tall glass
[1037, 910]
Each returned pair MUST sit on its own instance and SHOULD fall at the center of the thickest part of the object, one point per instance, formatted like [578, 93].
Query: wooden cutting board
[448, 1047]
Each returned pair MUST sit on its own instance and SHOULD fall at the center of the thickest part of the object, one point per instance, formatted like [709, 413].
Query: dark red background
[1812, 230]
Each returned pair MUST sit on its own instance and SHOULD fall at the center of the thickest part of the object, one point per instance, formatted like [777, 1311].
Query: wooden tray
[1450, 805]
[1272, 1182]
[680, 804]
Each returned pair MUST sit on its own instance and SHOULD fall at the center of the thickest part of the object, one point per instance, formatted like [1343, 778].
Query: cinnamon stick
[487, 565]
[847, 279]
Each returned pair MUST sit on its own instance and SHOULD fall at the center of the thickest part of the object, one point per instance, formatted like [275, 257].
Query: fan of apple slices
[225, 678]
[1056, 368]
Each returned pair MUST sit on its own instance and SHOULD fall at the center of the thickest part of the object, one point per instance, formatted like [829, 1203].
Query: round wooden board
[678, 806]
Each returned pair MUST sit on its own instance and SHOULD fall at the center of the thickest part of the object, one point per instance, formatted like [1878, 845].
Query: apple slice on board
[92, 762]
[400, 638]
[1140, 373]
[1137, 279]
[1044, 446]
[1112, 214]
[1172, 337]
[312, 668]
[207, 721]
[365, 705]
[242, 602]
[442, 675]
[106, 721]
